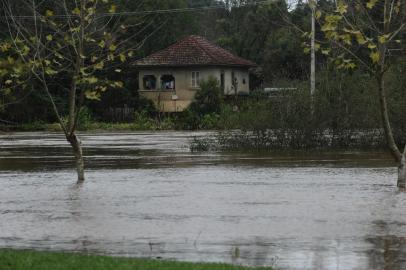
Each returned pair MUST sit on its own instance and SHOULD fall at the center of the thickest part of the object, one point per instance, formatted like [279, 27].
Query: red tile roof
[193, 51]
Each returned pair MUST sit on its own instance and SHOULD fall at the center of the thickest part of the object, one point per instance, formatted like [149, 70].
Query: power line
[147, 12]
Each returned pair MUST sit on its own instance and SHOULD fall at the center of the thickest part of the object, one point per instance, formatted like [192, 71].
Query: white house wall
[180, 98]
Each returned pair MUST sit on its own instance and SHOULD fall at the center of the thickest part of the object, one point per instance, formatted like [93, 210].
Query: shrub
[208, 99]
[84, 118]
[188, 120]
[142, 121]
[209, 121]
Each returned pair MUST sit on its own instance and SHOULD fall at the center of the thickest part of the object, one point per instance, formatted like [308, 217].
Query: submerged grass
[288, 139]
[36, 260]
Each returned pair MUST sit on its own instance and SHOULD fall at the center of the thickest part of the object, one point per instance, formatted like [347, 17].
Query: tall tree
[73, 47]
[370, 34]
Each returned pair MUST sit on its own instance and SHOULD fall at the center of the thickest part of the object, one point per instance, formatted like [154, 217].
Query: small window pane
[195, 78]
[167, 82]
[149, 82]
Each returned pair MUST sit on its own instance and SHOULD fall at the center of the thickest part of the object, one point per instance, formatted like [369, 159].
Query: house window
[167, 82]
[149, 82]
[243, 81]
[195, 78]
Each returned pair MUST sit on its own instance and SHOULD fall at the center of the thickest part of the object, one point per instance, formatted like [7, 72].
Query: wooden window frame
[195, 79]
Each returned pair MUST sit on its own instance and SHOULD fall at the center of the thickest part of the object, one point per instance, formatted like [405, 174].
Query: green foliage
[84, 118]
[167, 27]
[33, 126]
[362, 35]
[188, 120]
[203, 113]
[13, 73]
[345, 99]
[72, 46]
[346, 114]
[208, 98]
[209, 121]
[142, 121]
[167, 123]
[19, 260]
[258, 32]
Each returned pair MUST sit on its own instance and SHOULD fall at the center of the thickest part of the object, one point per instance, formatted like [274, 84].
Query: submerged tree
[370, 34]
[72, 47]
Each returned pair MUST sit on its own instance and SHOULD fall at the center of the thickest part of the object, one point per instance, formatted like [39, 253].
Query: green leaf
[318, 14]
[375, 56]
[49, 37]
[325, 52]
[384, 38]
[351, 66]
[76, 11]
[4, 47]
[49, 71]
[371, 46]
[342, 8]
[92, 95]
[112, 47]
[113, 8]
[118, 84]
[102, 44]
[99, 65]
[347, 39]
[83, 71]
[10, 60]
[25, 50]
[122, 58]
[60, 56]
[91, 80]
[371, 4]
[360, 38]
[49, 13]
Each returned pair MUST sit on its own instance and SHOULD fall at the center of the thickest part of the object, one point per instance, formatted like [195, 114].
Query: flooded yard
[147, 195]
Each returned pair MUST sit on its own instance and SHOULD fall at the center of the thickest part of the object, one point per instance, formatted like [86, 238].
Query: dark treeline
[270, 33]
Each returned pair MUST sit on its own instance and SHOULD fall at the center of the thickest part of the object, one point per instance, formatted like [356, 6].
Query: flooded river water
[147, 195]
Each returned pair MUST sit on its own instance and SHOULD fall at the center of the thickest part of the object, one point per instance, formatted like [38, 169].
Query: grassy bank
[94, 126]
[34, 260]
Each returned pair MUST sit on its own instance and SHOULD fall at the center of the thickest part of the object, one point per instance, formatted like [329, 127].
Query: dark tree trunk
[77, 151]
[386, 122]
[396, 153]
[402, 171]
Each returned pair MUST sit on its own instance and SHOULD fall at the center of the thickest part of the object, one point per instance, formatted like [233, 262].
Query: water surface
[146, 195]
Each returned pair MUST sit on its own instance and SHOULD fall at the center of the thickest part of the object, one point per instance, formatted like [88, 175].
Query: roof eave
[195, 65]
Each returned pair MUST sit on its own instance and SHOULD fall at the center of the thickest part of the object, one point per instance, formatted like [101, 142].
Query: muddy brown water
[147, 195]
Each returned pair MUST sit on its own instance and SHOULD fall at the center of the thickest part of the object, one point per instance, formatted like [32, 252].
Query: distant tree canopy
[273, 34]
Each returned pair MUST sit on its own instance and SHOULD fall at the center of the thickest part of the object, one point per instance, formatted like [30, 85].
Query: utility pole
[312, 4]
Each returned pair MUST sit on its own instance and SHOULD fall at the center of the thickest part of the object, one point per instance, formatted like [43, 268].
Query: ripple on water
[147, 196]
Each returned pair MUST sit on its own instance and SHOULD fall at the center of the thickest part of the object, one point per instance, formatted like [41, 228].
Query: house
[170, 77]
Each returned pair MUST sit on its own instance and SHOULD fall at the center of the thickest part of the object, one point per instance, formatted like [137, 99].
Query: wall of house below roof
[179, 99]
